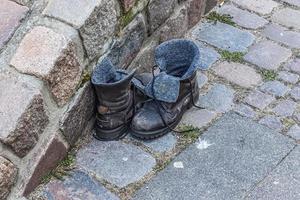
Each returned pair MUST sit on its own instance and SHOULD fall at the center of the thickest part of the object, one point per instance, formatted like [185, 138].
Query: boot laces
[159, 107]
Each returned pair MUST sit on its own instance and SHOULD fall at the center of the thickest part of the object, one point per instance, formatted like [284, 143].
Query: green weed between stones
[268, 75]
[63, 168]
[192, 135]
[226, 19]
[232, 56]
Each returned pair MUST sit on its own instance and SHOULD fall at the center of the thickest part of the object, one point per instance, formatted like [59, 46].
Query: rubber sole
[112, 134]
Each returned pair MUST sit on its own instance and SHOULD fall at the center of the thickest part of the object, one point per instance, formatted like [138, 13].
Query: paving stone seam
[269, 173]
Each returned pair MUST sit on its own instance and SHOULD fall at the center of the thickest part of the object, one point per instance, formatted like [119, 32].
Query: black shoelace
[159, 106]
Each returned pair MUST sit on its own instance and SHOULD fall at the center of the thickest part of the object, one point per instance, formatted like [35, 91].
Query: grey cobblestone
[198, 117]
[294, 66]
[259, 100]
[295, 93]
[275, 87]
[245, 111]
[272, 122]
[285, 108]
[294, 132]
[287, 17]
[261, 7]
[267, 55]
[288, 77]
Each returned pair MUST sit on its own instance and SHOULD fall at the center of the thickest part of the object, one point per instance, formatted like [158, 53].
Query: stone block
[288, 77]
[175, 27]
[210, 4]
[52, 57]
[79, 112]
[288, 17]
[8, 174]
[267, 55]
[259, 100]
[224, 36]
[294, 66]
[22, 114]
[275, 87]
[245, 111]
[11, 15]
[285, 108]
[239, 74]
[129, 44]
[208, 56]
[144, 61]
[201, 79]
[219, 98]
[261, 7]
[242, 17]
[293, 2]
[198, 117]
[272, 122]
[96, 21]
[195, 10]
[115, 162]
[294, 132]
[295, 93]
[78, 185]
[282, 35]
[44, 160]
[282, 182]
[229, 158]
[159, 11]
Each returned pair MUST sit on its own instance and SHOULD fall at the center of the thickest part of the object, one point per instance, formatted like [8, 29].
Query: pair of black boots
[150, 104]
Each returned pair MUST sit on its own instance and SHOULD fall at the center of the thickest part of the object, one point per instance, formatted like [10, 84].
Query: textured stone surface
[208, 56]
[127, 47]
[245, 111]
[285, 108]
[283, 35]
[239, 74]
[99, 28]
[272, 122]
[259, 100]
[144, 61]
[293, 2]
[8, 173]
[78, 114]
[159, 11]
[288, 77]
[224, 36]
[198, 117]
[201, 79]
[294, 66]
[218, 98]
[242, 17]
[195, 10]
[294, 132]
[162, 144]
[21, 125]
[11, 15]
[74, 12]
[127, 4]
[239, 153]
[116, 162]
[44, 160]
[282, 182]
[287, 17]
[275, 87]
[210, 4]
[261, 7]
[295, 93]
[78, 185]
[50, 56]
[176, 26]
[297, 116]
[267, 55]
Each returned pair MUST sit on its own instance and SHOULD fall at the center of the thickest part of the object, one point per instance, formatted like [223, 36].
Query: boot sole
[112, 134]
[149, 135]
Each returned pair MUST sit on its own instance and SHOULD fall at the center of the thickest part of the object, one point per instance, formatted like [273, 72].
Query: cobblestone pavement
[248, 146]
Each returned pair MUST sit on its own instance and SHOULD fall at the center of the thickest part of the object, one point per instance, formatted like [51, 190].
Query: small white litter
[203, 144]
[178, 165]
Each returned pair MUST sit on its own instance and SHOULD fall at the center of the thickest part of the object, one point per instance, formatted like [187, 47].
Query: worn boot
[115, 101]
[173, 90]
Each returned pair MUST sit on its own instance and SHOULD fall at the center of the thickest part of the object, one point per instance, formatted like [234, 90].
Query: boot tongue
[105, 72]
[165, 87]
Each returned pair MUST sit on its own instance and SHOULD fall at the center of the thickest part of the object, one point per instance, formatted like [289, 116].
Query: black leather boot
[115, 101]
[173, 90]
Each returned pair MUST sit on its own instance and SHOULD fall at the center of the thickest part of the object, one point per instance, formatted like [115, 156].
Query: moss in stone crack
[126, 19]
[62, 169]
[232, 56]
[214, 17]
[288, 122]
[86, 76]
[189, 132]
[268, 75]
